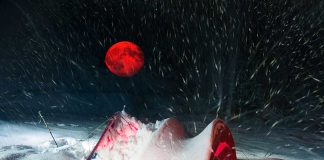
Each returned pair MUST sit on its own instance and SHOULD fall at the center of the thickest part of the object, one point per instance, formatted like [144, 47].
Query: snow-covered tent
[126, 138]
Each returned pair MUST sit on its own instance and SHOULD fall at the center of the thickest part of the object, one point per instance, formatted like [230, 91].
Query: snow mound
[125, 138]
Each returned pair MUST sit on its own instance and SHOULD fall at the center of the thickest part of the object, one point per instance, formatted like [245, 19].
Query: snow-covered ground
[281, 143]
[32, 141]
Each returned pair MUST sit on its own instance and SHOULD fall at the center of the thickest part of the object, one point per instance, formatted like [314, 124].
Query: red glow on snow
[121, 133]
[119, 128]
[166, 142]
[124, 59]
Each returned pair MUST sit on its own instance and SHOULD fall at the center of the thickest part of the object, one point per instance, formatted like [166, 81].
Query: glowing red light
[223, 143]
[124, 59]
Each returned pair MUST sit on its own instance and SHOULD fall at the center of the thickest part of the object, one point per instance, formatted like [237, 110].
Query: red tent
[168, 141]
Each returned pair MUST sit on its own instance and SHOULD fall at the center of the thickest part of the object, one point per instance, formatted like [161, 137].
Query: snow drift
[31, 141]
[125, 138]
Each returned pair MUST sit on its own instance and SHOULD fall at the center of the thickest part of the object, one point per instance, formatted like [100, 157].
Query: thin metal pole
[41, 116]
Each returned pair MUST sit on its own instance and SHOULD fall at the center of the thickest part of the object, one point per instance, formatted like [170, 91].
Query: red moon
[124, 59]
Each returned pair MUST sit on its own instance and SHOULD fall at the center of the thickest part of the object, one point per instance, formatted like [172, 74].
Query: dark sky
[244, 57]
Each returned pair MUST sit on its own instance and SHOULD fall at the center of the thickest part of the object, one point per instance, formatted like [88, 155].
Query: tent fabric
[126, 138]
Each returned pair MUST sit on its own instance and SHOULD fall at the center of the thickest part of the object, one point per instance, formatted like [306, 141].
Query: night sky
[254, 58]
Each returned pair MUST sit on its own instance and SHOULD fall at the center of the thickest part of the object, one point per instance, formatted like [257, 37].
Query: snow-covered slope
[31, 141]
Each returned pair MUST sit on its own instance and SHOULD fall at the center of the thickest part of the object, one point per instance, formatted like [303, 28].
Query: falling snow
[257, 64]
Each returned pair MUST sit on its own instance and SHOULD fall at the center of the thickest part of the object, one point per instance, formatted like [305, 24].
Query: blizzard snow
[31, 141]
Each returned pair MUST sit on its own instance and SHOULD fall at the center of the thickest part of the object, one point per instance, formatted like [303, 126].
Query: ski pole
[41, 116]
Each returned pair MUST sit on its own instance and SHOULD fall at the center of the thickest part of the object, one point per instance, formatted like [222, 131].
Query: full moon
[124, 59]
